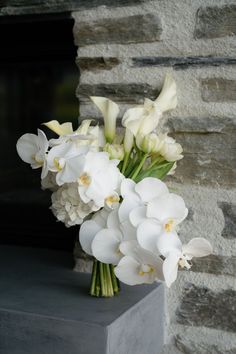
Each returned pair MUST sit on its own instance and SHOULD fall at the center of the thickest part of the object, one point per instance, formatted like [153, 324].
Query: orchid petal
[88, 231]
[167, 206]
[197, 247]
[138, 215]
[105, 246]
[170, 268]
[147, 235]
[150, 188]
[168, 242]
[127, 271]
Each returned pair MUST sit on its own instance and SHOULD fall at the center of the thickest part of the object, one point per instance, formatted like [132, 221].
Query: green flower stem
[138, 169]
[98, 285]
[93, 279]
[156, 161]
[126, 159]
[114, 280]
[102, 279]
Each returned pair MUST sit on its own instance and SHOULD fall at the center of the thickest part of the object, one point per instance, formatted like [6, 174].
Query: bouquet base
[103, 281]
[45, 307]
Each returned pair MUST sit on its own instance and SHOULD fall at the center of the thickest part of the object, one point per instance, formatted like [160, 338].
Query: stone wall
[125, 48]
[124, 53]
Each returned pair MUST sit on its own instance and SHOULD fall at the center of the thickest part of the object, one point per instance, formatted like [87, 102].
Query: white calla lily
[128, 141]
[32, 149]
[110, 111]
[180, 256]
[144, 119]
[138, 266]
[59, 129]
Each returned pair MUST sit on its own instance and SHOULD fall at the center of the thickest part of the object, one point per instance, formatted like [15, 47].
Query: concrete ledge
[45, 309]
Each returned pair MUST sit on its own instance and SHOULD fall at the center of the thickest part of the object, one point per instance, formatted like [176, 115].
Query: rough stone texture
[179, 63]
[229, 212]
[131, 93]
[26, 7]
[203, 141]
[130, 29]
[96, 64]
[187, 346]
[201, 306]
[218, 90]
[215, 264]
[215, 22]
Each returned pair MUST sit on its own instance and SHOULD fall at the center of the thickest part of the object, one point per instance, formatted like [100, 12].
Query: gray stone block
[125, 30]
[45, 309]
[218, 90]
[215, 22]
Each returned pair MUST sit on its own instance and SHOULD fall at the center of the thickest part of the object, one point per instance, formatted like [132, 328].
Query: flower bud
[128, 141]
[170, 150]
[115, 151]
[150, 144]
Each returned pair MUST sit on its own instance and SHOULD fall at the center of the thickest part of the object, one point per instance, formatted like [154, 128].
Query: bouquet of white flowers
[111, 185]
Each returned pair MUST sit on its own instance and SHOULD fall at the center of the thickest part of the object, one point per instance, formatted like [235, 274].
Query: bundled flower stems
[112, 185]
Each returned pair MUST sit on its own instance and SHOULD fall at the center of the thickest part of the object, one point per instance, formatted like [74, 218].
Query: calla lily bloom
[110, 111]
[60, 129]
[144, 119]
[32, 149]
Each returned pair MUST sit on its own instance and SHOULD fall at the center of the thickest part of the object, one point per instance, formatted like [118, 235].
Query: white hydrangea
[67, 205]
[49, 182]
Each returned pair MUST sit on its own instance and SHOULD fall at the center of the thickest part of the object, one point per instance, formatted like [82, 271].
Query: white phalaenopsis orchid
[138, 266]
[100, 180]
[136, 197]
[33, 149]
[144, 119]
[110, 183]
[110, 111]
[67, 161]
[103, 234]
[178, 255]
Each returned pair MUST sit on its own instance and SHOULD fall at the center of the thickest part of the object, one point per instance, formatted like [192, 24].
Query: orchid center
[111, 200]
[59, 163]
[169, 225]
[84, 180]
[145, 269]
[38, 160]
[184, 262]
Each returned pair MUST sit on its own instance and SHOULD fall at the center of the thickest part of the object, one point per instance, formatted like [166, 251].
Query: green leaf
[159, 171]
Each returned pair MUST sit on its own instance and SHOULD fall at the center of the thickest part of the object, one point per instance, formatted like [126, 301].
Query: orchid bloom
[110, 111]
[144, 119]
[103, 234]
[136, 197]
[161, 217]
[33, 149]
[178, 255]
[100, 180]
[138, 266]
[67, 162]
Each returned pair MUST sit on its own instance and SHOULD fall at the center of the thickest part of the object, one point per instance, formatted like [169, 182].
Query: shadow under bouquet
[112, 185]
